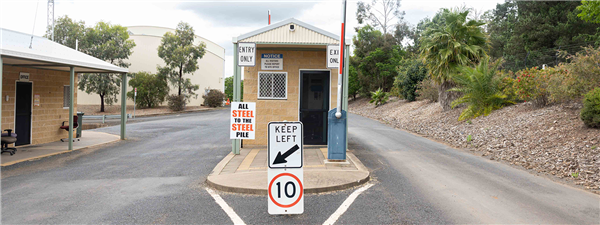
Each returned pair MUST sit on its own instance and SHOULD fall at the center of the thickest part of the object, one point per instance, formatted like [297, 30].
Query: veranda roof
[18, 49]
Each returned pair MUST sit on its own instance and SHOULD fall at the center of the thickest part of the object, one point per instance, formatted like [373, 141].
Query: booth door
[23, 113]
[314, 105]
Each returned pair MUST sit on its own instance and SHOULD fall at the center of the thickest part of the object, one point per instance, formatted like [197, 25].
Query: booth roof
[46, 54]
[280, 33]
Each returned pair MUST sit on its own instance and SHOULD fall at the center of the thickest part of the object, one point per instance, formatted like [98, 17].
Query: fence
[104, 117]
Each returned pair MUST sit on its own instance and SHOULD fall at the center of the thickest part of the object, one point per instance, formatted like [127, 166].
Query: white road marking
[232, 215]
[346, 204]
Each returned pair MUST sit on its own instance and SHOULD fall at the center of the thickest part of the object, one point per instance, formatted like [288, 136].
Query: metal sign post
[286, 173]
[245, 56]
[134, 98]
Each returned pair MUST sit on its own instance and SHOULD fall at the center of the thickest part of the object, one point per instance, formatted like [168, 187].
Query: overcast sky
[217, 21]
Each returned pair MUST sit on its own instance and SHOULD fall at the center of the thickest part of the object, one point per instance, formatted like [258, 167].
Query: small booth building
[39, 86]
[291, 81]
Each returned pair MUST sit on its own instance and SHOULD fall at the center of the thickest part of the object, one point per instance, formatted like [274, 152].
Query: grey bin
[79, 123]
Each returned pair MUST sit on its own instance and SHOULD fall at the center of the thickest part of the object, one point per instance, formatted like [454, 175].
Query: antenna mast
[51, 16]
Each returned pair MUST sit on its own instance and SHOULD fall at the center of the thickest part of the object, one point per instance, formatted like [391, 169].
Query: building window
[67, 96]
[272, 85]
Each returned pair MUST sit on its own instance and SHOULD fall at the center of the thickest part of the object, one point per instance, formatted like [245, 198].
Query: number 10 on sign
[286, 192]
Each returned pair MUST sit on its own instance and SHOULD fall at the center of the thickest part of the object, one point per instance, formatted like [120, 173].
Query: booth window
[272, 85]
[66, 96]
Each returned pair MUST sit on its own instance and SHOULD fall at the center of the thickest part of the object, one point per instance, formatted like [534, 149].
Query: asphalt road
[461, 187]
[158, 174]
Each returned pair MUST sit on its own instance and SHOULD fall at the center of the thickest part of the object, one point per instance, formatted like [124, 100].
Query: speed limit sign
[286, 175]
[286, 192]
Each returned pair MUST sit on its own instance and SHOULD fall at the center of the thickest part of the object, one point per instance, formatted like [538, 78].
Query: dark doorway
[23, 113]
[314, 105]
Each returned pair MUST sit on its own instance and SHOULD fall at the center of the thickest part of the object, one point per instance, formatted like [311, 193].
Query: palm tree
[480, 88]
[458, 41]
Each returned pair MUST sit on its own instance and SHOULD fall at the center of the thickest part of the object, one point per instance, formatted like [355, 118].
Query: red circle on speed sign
[299, 196]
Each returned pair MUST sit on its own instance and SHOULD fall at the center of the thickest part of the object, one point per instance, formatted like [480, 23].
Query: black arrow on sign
[281, 158]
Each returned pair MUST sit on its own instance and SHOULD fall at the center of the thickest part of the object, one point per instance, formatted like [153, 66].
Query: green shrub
[353, 82]
[396, 91]
[480, 89]
[379, 97]
[409, 82]
[176, 102]
[214, 98]
[428, 90]
[590, 113]
[229, 88]
[507, 85]
[532, 85]
[583, 71]
[152, 89]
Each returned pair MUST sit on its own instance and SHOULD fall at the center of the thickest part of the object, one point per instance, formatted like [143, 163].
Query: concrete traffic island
[247, 172]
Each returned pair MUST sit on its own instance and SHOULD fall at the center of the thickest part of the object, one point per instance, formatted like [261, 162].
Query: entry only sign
[246, 54]
[333, 56]
[286, 175]
[243, 120]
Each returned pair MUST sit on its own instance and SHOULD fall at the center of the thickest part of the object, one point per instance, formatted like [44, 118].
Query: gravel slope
[549, 140]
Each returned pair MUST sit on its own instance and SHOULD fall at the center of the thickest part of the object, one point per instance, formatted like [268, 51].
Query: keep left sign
[243, 120]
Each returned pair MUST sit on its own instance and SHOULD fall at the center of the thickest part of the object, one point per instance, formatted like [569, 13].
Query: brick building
[38, 86]
[301, 88]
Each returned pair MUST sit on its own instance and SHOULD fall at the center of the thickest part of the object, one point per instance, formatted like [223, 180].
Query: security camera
[292, 27]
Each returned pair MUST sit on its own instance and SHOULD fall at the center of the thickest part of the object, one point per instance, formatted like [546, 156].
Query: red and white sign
[286, 191]
[243, 120]
[285, 172]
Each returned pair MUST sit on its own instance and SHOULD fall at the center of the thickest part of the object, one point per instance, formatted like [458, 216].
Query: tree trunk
[101, 103]
[180, 75]
[446, 97]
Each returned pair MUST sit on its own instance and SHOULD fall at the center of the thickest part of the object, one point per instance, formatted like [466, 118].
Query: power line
[34, 19]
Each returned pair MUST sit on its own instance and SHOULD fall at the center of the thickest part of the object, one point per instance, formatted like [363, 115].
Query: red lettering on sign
[243, 113]
[242, 127]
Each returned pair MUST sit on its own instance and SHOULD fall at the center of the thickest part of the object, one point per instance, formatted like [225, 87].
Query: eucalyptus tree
[460, 41]
[589, 11]
[109, 43]
[180, 54]
[67, 32]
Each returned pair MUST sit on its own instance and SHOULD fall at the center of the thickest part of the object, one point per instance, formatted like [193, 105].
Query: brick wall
[279, 110]
[46, 118]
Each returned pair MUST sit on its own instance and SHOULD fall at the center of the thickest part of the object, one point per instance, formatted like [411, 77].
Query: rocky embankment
[551, 140]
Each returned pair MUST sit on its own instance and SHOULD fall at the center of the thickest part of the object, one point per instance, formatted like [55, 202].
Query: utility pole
[50, 19]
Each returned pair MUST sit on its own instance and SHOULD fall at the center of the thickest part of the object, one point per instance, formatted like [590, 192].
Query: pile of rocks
[550, 140]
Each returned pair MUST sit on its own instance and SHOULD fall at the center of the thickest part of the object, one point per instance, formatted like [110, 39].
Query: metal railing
[104, 117]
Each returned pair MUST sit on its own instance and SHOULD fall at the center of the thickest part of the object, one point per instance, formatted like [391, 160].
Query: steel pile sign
[243, 120]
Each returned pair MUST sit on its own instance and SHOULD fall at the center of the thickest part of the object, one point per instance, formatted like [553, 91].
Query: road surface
[158, 174]
[464, 188]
